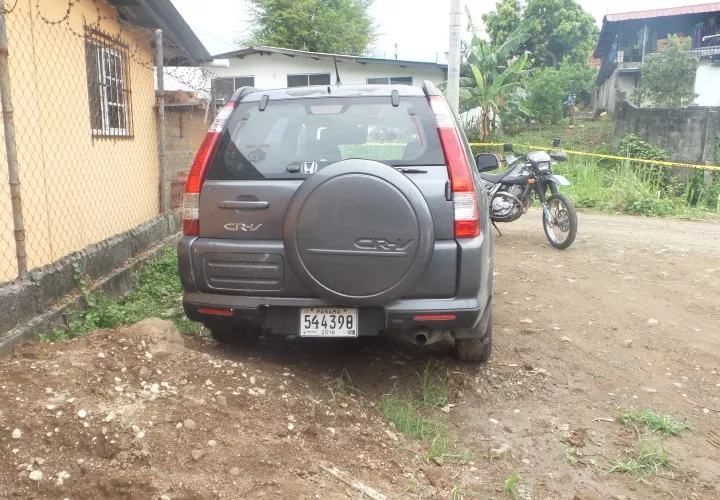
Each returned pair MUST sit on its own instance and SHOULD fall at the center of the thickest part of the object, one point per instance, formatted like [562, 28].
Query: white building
[271, 68]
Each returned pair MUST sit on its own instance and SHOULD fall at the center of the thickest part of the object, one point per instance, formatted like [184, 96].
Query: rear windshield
[293, 138]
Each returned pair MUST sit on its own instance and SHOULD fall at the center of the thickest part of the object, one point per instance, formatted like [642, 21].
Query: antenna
[337, 72]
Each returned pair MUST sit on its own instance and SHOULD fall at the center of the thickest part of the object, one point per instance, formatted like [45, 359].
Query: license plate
[328, 322]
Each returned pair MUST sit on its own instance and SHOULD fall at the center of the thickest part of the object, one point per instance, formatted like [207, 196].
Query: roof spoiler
[242, 92]
[430, 89]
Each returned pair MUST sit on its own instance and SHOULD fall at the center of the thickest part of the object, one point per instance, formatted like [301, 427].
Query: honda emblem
[308, 167]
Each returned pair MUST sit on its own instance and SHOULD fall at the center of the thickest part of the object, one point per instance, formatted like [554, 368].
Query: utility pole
[453, 83]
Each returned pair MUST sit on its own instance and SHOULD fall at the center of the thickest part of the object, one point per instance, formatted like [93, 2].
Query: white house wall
[707, 84]
[270, 71]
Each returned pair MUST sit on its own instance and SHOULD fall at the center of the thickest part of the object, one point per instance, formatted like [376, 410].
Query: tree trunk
[485, 125]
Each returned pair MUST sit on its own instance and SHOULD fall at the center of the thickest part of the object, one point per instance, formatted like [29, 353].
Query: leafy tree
[550, 86]
[332, 26]
[561, 30]
[668, 77]
[503, 21]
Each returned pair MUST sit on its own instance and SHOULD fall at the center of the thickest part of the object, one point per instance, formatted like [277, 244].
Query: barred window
[108, 85]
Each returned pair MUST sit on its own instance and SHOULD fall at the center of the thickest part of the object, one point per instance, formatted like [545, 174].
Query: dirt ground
[629, 316]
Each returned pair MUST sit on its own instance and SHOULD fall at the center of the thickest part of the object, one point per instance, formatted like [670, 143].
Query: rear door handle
[252, 205]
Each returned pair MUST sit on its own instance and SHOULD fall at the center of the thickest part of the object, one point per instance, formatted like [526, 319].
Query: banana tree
[494, 95]
[492, 79]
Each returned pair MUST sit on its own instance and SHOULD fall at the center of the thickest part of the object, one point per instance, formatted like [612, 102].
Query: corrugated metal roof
[261, 49]
[675, 11]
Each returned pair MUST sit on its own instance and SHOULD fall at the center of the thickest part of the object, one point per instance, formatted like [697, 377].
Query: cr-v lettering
[236, 226]
[383, 244]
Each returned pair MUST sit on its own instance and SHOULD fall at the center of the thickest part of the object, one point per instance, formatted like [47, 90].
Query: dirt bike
[510, 192]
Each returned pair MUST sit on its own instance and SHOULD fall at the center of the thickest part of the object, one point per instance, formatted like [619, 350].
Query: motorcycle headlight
[544, 166]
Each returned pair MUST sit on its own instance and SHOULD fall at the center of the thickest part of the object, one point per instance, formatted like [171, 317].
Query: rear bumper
[281, 315]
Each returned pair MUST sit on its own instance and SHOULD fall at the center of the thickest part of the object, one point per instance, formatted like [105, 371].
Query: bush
[547, 94]
[549, 87]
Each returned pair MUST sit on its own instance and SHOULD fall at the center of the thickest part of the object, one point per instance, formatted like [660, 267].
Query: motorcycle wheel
[561, 229]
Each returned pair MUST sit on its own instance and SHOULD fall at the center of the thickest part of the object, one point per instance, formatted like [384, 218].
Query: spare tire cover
[359, 232]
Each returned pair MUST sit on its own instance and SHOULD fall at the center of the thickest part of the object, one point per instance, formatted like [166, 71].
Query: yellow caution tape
[609, 157]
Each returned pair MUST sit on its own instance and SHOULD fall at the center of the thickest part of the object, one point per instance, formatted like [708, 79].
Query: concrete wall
[610, 92]
[707, 84]
[270, 71]
[185, 129]
[39, 303]
[688, 135]
[76, 189]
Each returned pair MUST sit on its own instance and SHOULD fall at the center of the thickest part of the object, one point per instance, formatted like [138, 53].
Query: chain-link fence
[83, 105]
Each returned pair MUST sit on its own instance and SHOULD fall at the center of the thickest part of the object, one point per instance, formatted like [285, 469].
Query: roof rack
[242, 92]
[430, 89]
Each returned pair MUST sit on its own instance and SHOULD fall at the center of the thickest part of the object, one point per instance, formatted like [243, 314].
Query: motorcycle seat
[495, 178]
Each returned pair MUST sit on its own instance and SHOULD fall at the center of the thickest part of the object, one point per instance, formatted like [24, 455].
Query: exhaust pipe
[423, 337]
[420, 338]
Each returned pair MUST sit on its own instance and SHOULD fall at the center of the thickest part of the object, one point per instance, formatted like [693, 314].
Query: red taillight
[434, 317]
[196, 177]
[465, 204]
[215, 312]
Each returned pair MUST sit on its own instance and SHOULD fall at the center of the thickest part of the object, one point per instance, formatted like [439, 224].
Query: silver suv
[336, 212]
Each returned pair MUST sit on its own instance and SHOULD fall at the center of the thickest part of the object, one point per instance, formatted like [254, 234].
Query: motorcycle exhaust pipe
[508, 195]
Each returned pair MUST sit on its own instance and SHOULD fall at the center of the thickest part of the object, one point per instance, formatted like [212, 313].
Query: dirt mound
[135, 413]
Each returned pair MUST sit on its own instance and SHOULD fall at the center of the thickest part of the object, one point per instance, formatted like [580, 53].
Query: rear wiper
[411, 170]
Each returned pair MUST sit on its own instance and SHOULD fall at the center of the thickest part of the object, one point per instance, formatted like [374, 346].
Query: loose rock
[35, 475]
[189, 424]
[234, 471]
[438, 477]
[17, 434]
[500, 452]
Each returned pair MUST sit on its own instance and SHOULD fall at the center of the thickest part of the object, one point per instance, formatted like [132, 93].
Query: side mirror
[556, 142]
[508, 147]
[487, 162]
[559, 156]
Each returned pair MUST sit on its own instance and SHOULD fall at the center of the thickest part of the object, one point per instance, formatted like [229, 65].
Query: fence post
[159, 65]
[10, 148]
[711, 139]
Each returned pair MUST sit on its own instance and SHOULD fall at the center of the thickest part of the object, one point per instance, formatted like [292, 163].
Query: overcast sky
[420, 35]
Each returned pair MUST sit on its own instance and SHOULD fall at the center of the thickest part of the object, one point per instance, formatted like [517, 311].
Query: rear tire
[570, 220]
[475, 350]
[234, 336]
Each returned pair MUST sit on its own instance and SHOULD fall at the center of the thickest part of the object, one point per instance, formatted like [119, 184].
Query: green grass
[652, 421]
[435, 389]
[513, 485]
[407, 417]
[595, 136]
[625, 188]
[649, 461]
[613, 186]
[156, 293]
[410, 413]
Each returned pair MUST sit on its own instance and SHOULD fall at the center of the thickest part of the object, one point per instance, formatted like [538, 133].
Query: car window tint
[276, 142]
